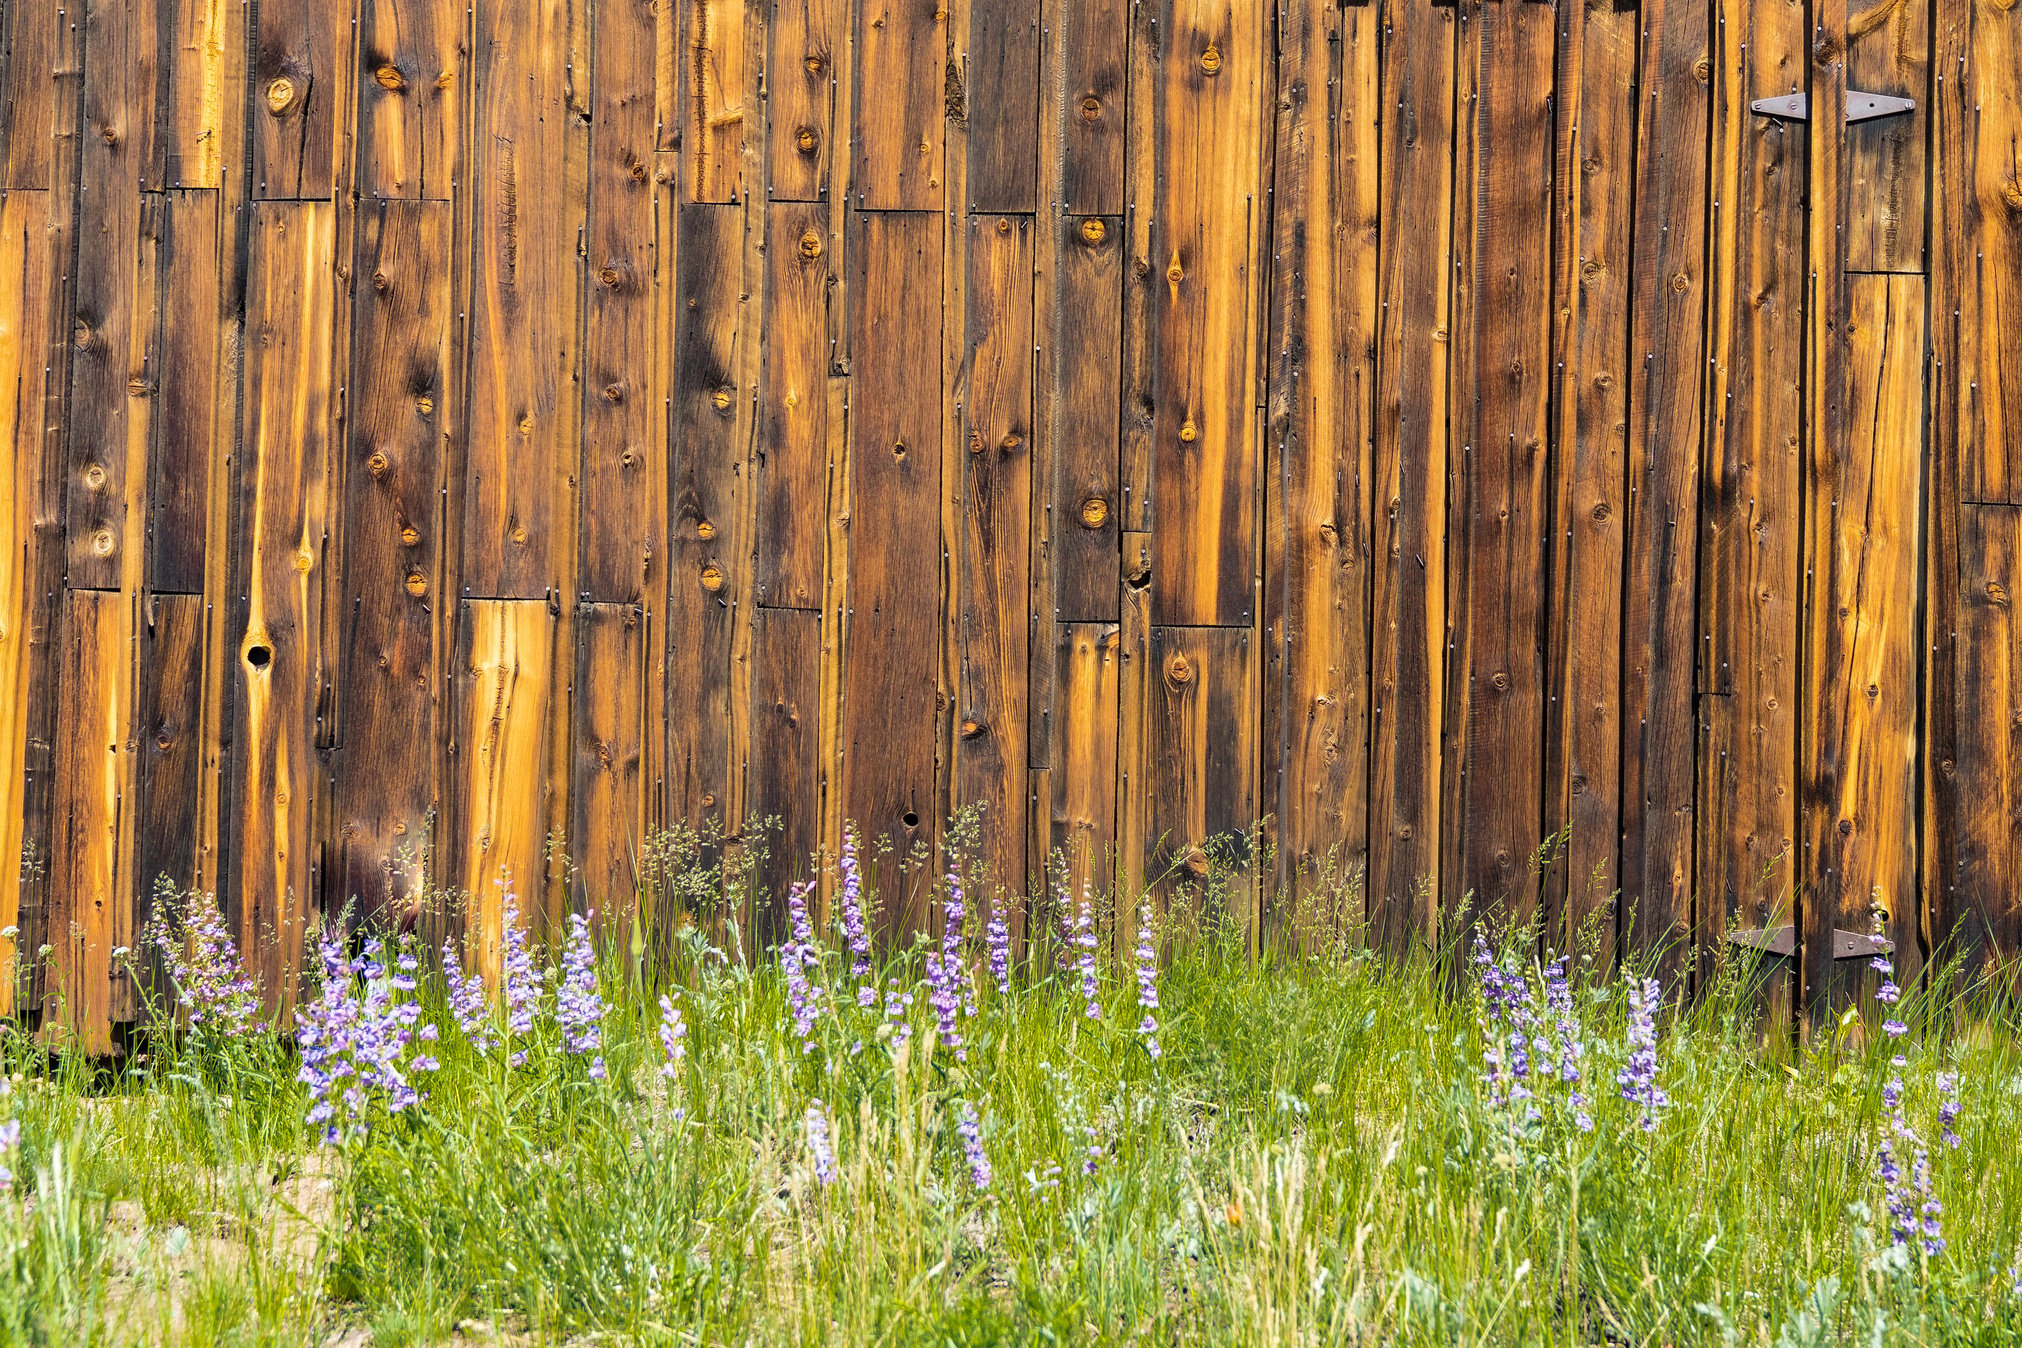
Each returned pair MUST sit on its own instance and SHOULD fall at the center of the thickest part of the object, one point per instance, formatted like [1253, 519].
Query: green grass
[1311, 1160]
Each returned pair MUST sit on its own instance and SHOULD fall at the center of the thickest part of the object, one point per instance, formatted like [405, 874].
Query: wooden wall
[449, 436]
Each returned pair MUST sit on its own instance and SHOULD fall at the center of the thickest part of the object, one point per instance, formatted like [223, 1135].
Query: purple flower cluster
[1508, 1014]
[852, 902]
[579, 1007]
[1147, 979]
[203, 963]
[10, 1148]
[1914, 1209]
[355, 1047]
[819, 1149]
[466, 1001]
[673, 1033]
[1638, 1077]
[898, 1002]
[946, 973]
[796, 957]
[1084, 938]
[997, 936]
[522, 983]
[1571, 1047]
[972, 1147]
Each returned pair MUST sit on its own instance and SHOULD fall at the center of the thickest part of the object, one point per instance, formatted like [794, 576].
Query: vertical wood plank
[1408, 618]
[505, 684]
[1322, 399]
[186, 395]
[167, 748]
[302, 98]
[1081, 333]
[1977, 914]
[802, 91]
[1084, 53]
[721, 99]
[901, 47]
[712, 424]
[91, 901]
[1749, 524]
[25, 537]
[528, 208]
[204, 105]
[1133, 712]
[1666, 427]
[1002, 103]
[411, 96]
[1888, 52]
[282, 520]
[785, 767]
[607, 798]
[1082, 776]
[995, 394]
[1200, 754]
[793, 446]
[399, 408]
[889, 676]
[27, 95]
[622, 517]
[1207, 129]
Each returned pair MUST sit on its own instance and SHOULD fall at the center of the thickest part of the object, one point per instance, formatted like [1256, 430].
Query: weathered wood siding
[448, 443]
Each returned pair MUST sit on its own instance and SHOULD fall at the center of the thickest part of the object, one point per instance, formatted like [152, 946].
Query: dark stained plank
[1081, 332]
[785, 777]
[1134, 681]
[203, 84]
[91, 899]
[1978, 911]
[411, 99]
[1082, 778]
[185, 392]
[1318, 446]
[1207, 222]
[1200, 781]
[607, 831]
[387, 696]
[1003, 105]
[993, 630]
[722, 99]
[901, 52]
[503, 697]
[803, 92]
[1888, 52]
[1583, 734]
[302, 98]
[889, 687]
[527, 204]
[622, 512]
[281, 517]
[1408, 615]
[1752, 504]
[166, 745]
[1667, 356]
[27, 94]
[712, 429]
[29, 526]
[794, 432]
[1084, 54]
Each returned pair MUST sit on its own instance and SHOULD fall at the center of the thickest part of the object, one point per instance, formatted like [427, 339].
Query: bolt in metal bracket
[1846, 945]
[1860, 107]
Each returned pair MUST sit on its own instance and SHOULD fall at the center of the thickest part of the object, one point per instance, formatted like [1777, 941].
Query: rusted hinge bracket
[1860, 107]
[1846, 945]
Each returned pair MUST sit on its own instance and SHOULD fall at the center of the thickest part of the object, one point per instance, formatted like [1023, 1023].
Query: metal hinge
[1846, 945]
[1860, 107]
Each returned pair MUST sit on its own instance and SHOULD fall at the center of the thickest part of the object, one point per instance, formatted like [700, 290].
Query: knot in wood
[1011, 443]
[813, 64]
[1602, 510]
[1179, 671]
[424, 404]
[975, 441]
[1093, 232]
[518, 534]
[1197, 860]
[1499, 681]
[610, 276]
[94, 477]
[806, 141]
[417, 584]
[614, 393]
[721, 398]
[409, 535]
[1174, 272]
[376, 465]
[972, 729]
[1091, 109]
[280, 95]
[1680, 283]
[705, 530]
[1094, 512]
[1003, 226]
[1211, 62]
[810, 245]
[101, 542]
[389, 77]
[1187, 432]
[712, 578]
[304, 561]
[1846, 828]
[379, 281]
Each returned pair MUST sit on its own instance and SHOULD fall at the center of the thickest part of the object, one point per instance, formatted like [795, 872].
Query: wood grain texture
[785, 772]
[1200, 764]
[302, 98]
[28, 36]
[794, 432]
[802, 94]
[1752, 504]
[185, 391]
[1666, 432]
[282, 519]
[504, 689]
[722, 99]
[167, 757]
[1583, 735]
[91, 900]
[607, 797]
[1319, 470]
[1408, 617]
[1002, 105]
[200, 127]
[27, 528]
[995, 394]
[1082, 777]
[1980, 918]
[393, 486]
[1081, 318]
[902, 95]
[412, 96]
[1134, 682]
[889, 680]
[1208, 220]
[1085, 54]
[1888, 52]
[622, 512]
[528, 211]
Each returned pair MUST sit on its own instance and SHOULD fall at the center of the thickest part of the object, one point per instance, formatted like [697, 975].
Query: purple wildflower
[897, 1003]
[819, 1150]
[673, 1031]
[1566, 1025]
[853, 914]
[579, 1008]
[1508, 1016]
[522, 983]
[1948, 1112]
[1092, 1154]
[10, 1146]
[359, 1043]
[796, 957]
[946, 974]
[1638, 1077]
[972, 1147]
[997, 935]
[1084, 937]
[203, 963]
[1147, 979]
[466, 1001]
